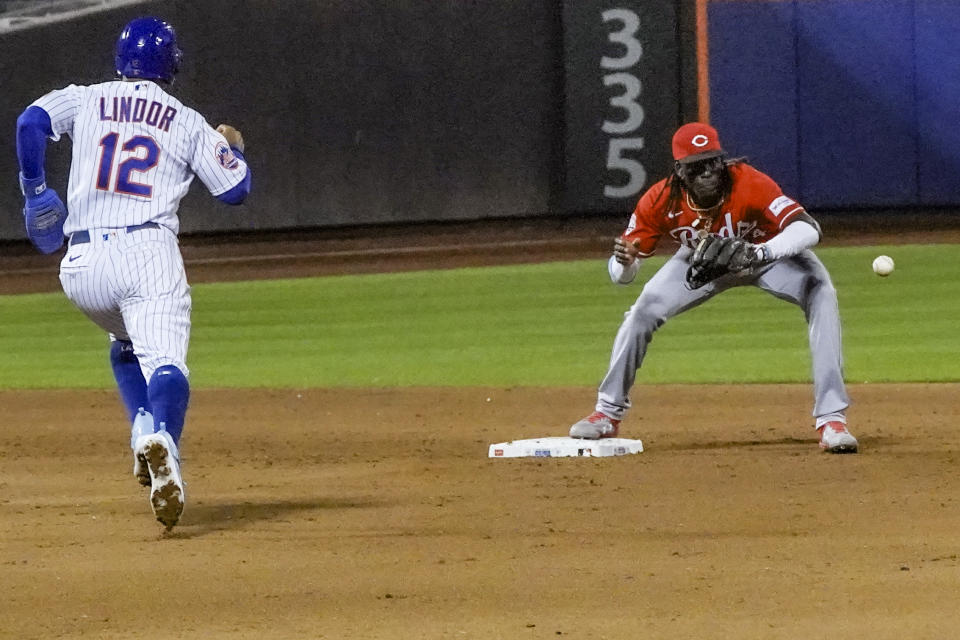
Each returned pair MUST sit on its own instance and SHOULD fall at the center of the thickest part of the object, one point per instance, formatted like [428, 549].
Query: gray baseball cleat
[834, 438]
[595, 426]
[166, 484]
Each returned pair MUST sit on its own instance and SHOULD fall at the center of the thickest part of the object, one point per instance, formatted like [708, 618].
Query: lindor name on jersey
[126, 109]
[115, 157]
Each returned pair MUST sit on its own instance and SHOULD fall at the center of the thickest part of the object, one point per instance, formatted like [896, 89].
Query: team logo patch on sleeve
[778, 205]
[226, 157]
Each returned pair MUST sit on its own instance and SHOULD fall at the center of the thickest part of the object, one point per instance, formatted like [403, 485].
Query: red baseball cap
[696, 141]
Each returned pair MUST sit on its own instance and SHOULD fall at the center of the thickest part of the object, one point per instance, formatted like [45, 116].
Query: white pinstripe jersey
[135, 152]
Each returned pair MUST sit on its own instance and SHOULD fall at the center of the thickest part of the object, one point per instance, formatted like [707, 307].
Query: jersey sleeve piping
[789, 215]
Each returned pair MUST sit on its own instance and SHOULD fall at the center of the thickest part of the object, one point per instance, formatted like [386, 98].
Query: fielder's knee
[818, 286]
[646, 315]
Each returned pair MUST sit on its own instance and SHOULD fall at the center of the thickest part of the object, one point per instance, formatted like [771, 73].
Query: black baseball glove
[715, 257]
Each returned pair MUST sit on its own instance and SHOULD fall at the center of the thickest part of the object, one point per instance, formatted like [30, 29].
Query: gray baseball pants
[801, 279]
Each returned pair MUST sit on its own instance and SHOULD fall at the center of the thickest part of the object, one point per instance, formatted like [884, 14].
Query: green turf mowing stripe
[544, 324]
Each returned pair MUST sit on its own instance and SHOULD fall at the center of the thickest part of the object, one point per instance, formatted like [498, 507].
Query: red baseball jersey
[755, 210]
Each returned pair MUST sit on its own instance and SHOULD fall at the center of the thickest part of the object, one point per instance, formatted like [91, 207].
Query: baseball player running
[735, 227]
[136, 149]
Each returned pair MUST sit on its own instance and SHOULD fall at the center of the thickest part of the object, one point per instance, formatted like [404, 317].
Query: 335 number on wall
[625, 93]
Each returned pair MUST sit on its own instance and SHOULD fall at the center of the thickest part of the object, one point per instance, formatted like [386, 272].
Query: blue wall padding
[856, 103]
[754, 85]
[874, 117]
[938, 100]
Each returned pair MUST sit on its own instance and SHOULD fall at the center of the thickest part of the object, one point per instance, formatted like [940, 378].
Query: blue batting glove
[43, 214]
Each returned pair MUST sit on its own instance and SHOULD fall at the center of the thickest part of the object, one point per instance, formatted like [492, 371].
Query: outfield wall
[370, 112]
[848, 103]
[353, 112]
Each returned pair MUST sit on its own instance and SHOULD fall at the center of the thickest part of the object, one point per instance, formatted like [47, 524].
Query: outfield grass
[546, 324]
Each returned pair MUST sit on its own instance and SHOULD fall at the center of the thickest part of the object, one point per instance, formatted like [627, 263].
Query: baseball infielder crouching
[735, 227]
[136, 149]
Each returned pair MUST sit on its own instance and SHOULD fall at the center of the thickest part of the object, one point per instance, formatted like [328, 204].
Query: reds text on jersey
[755, 210]
[135, 152]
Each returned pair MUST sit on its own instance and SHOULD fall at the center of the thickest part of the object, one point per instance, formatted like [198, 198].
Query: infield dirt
[375, 513]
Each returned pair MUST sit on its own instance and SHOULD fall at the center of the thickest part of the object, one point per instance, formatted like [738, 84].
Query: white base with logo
[565, 448]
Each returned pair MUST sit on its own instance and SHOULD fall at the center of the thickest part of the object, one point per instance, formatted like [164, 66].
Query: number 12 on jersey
[136, 163]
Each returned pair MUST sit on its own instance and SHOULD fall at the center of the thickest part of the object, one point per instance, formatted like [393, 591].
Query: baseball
[883, 265]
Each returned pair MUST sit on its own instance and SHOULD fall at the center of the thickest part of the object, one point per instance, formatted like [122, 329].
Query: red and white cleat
[834, 438]
[595, 426]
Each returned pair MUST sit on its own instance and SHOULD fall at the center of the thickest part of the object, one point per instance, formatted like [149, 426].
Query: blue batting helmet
[147, 48]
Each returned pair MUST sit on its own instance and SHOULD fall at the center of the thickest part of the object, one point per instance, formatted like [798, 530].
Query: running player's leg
[665, 295]
[163, 355]
[156, 315]
[804, 281]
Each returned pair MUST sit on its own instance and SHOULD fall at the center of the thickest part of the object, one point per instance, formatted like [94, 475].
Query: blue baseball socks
[169, 393]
